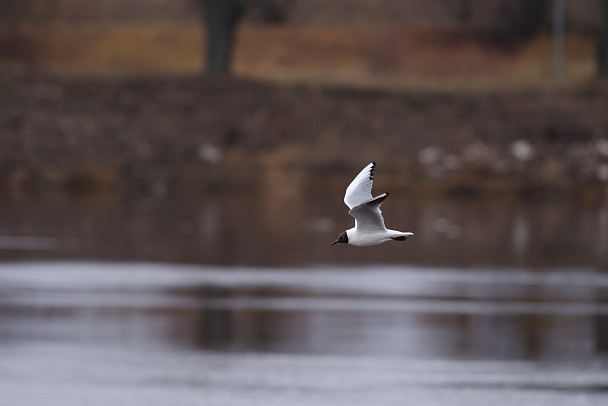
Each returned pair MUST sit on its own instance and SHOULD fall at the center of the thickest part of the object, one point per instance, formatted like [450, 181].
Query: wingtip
[372, 170]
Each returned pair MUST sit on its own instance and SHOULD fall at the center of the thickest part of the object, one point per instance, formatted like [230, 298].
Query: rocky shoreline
[159, 135]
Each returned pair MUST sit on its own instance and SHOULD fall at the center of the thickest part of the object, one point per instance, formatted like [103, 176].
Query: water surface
[296, 230]
[223, 301]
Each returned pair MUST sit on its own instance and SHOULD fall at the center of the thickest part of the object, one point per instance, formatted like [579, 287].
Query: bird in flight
[369, 226]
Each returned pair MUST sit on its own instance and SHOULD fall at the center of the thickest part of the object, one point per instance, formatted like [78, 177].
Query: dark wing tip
[376, 201]
[372, 170]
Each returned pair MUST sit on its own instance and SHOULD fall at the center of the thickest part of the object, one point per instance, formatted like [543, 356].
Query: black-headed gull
[369, 226]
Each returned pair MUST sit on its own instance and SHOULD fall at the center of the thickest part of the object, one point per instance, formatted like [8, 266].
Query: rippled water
[226, 301]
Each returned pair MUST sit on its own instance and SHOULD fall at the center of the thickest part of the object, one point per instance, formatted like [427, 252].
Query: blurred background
[172, 176]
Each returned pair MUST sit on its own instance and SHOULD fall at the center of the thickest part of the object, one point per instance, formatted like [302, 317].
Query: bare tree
[221, 18]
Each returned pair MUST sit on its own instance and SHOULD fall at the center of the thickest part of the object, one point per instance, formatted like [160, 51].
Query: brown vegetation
[393, 57]
[161, 135]
[126, 109]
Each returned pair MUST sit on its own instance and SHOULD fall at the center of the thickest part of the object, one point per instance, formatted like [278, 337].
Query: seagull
[369, 226]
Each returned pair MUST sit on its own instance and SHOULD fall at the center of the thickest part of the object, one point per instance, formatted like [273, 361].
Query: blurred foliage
[14, 14]
[504, 14]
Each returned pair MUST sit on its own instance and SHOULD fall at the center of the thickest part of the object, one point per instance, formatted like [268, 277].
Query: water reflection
[391, 334]
[251, 230]
[481, 279]
[412, 313]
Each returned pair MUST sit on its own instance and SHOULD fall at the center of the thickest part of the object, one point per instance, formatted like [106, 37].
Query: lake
[242, 300]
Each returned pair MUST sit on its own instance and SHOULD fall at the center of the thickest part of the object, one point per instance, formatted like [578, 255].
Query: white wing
[360, 189]
[368, 216]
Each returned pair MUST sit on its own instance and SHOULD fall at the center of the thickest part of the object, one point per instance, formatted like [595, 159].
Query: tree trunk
[221, 18]
[602, 43]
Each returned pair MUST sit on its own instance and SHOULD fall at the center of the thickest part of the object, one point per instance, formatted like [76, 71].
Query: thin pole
[559, 38]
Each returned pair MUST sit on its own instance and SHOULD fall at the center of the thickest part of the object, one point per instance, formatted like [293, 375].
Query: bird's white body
[369, 226]
[373, 238]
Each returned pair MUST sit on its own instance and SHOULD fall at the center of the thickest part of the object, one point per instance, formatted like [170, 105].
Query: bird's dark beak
[335, 242]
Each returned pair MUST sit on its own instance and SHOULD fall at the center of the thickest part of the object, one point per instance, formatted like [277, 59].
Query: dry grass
[115, 50]
[423, 57]
[405, 58]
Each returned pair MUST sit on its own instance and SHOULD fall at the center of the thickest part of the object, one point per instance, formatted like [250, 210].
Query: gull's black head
[342, 239]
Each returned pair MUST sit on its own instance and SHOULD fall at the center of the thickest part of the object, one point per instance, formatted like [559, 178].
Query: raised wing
[360, 189]
[368, 216]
